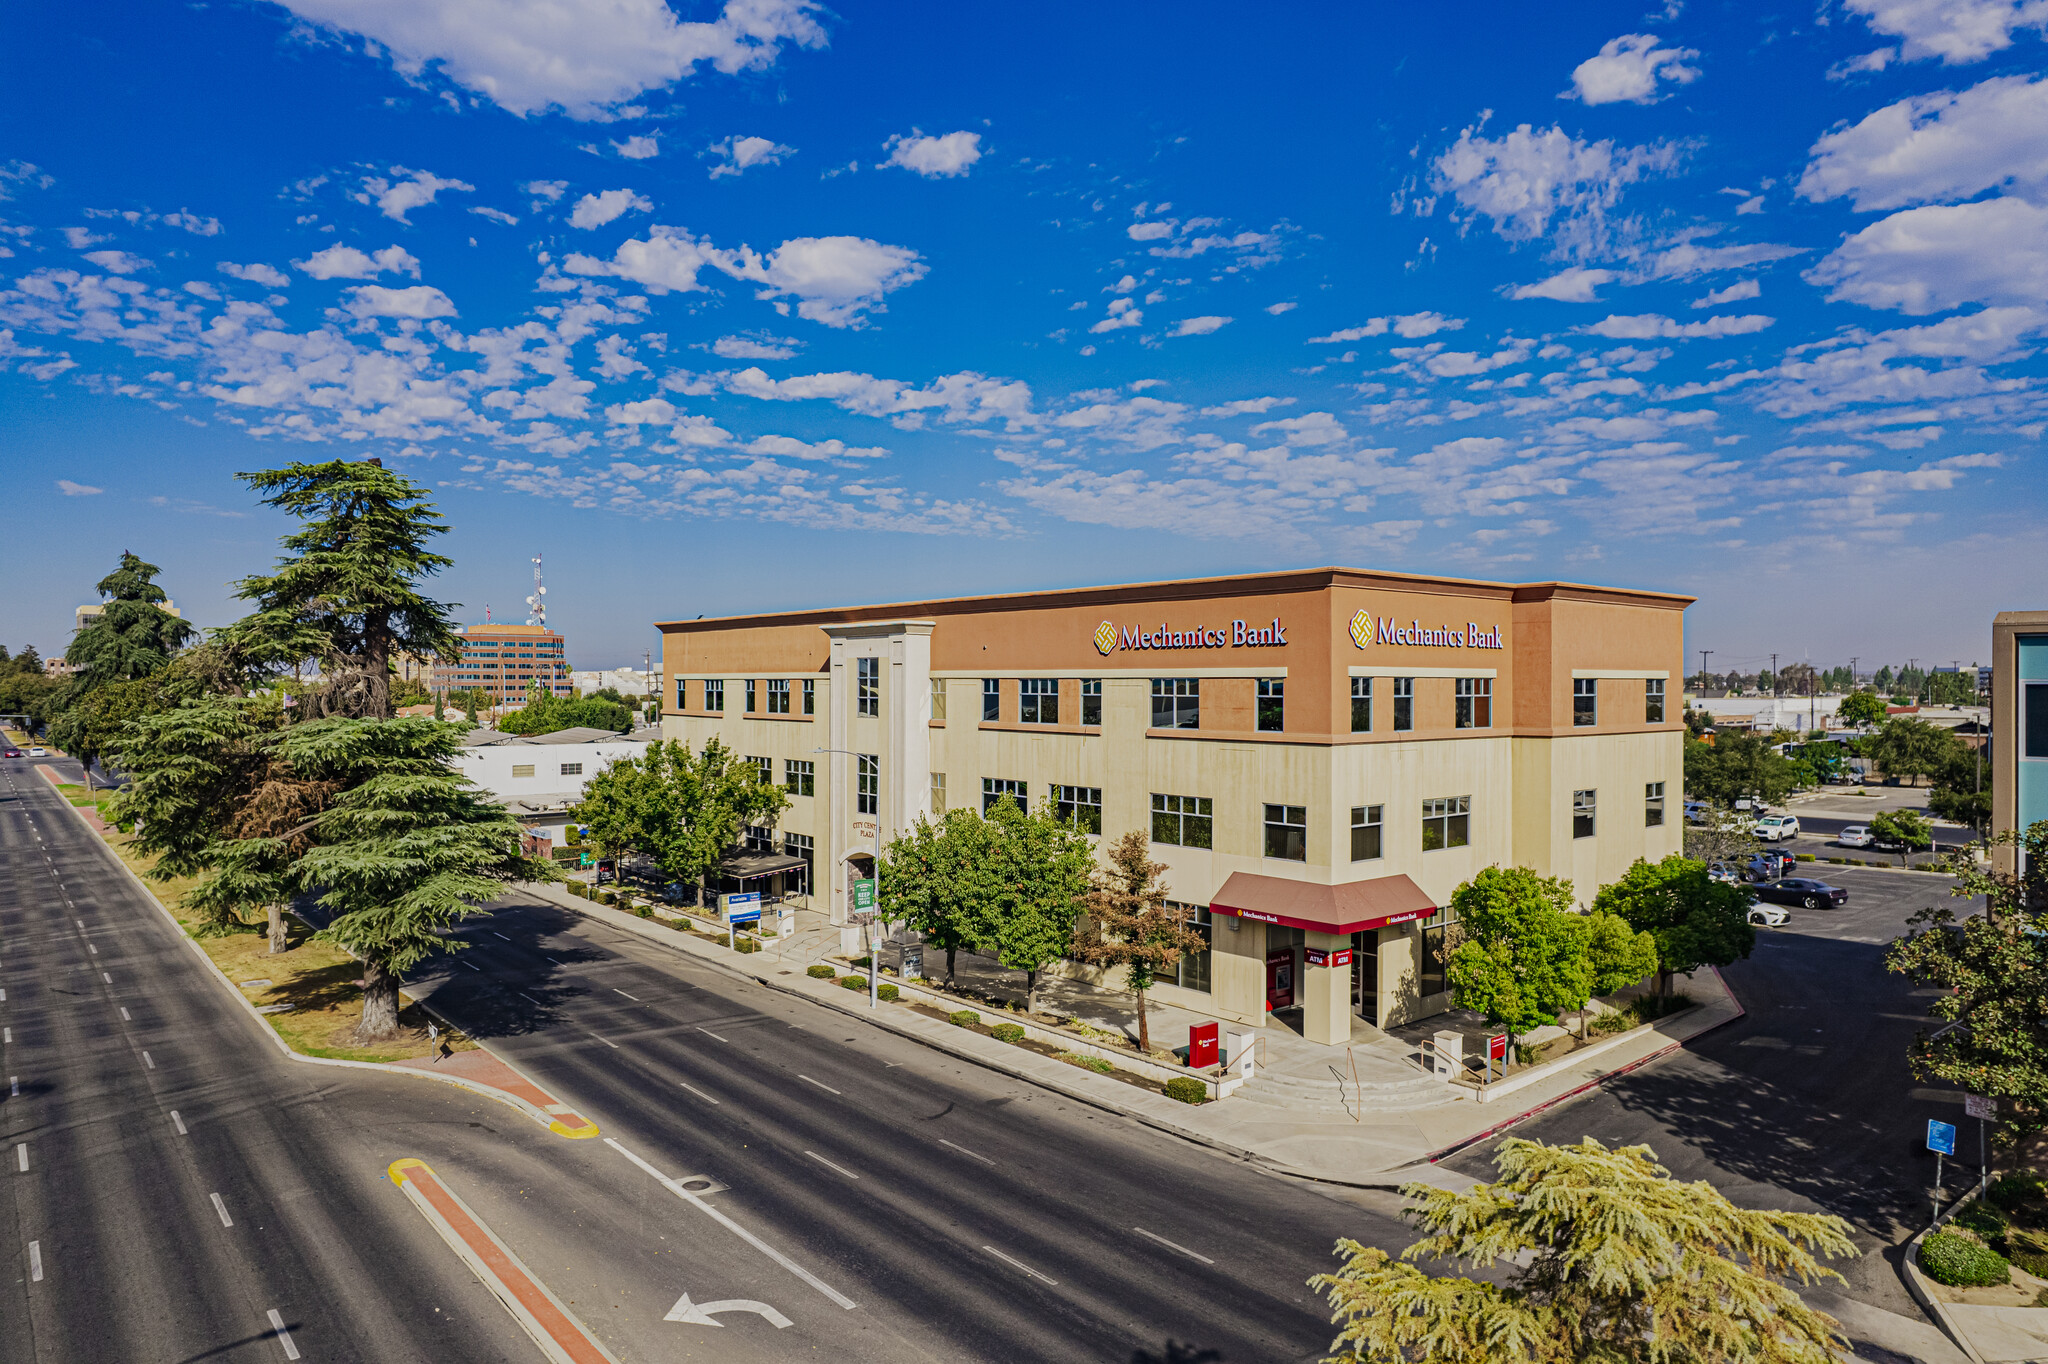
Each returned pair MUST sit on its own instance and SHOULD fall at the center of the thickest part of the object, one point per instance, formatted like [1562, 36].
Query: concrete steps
[1331, 1091]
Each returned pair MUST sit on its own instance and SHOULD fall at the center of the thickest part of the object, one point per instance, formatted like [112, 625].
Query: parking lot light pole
[875, 868]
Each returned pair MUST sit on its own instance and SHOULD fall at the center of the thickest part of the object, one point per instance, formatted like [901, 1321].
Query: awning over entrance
[754, 866]
[1349, 908]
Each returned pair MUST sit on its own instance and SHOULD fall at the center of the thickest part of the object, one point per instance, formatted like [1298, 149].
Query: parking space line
[284, 1337]
[1170, 1245]
[35, 1261]
[820, 1084]
[177, 1122]
[830, 1166]
[1019, 1264]
[617, 991]
[965, 1152]
[222, 1209]
[147, 1061]
[21, 1152]
[607, 1041]
[706, 1031]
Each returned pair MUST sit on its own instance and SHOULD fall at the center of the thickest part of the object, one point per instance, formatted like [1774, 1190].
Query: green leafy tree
[939, 877]
[1907, 828]
[1522, 960]
[1132, 926]
[93, 720]
[1862, 708]
[1912, 748]
[27, 690]
[346, 593]
[133, 636]
[1609, 1261]
[683, 809]
[1991, 973]
[1617, 955]
[544, 713]
[1737, 766]
[1724, 835]
[1041, 870]
[1962, 790]
[1695, 921]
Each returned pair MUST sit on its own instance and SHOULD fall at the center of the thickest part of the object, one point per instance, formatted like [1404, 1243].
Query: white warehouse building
[540, 777]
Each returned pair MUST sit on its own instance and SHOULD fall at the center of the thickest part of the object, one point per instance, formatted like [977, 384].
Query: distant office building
[631, 683]
[501, 661]
[2019, 720]
[93, 610]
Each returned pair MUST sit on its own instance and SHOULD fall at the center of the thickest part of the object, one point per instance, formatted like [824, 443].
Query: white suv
[1772, 828]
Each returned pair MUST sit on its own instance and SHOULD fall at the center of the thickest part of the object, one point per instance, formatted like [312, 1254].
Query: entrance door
[1365, 975]
[1280, 979]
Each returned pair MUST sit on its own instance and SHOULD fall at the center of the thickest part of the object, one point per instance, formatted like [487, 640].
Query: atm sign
[1323, 956]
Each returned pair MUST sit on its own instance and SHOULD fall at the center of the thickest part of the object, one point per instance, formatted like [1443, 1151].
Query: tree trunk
[380, 1005]
[1031, 992]
[278, 945]
[1663, 983]
[950, 949]
[1144, 1032]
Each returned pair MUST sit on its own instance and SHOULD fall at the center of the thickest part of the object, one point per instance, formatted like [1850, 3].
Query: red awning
[1349, 908]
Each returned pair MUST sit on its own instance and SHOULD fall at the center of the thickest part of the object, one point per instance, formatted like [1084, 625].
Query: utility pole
[1703, 671]
[1774, 677]
[1852, 672]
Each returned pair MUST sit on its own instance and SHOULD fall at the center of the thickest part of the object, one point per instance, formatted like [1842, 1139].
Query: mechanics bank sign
[1237, 635]
[1368, 630]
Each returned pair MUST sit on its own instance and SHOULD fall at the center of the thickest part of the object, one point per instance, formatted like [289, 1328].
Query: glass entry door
[1365, 975]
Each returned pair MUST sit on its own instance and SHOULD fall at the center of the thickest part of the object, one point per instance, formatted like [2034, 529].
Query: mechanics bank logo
[1366, 632]
[1109, 637]
[1105, 638]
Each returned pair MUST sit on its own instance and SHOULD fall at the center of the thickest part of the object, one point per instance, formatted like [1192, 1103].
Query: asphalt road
[1805, 1103]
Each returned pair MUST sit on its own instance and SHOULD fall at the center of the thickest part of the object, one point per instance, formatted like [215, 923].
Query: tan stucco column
[1326, 993]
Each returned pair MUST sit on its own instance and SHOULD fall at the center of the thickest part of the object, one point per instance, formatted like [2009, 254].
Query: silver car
[1854, 836]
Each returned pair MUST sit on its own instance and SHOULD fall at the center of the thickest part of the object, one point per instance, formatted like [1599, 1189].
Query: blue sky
[774, 305]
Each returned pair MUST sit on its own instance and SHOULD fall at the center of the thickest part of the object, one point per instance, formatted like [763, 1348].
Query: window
[991, 700]
[1182, 820]
[764, 769]
[682, 694]
[759, 838]
[1366, 828]
[1080, 805]
[993, 789]
[799, 778]
[1272, 704]
[1191, 972]
[1446, 822]
[750, 696]
[1091, 701]
[1585, 701]
[1475, 703]
[867, 799]
[522, 769]
[1582, 814]
[869, 693]
[938, 793]
[2036, 720]
[778, 696]
[714, 694]
[1287, 832]
[1653, 804]
[1653, 701]
[1361, 705]
[1404, 703]
[938, 700]
[1435, 950]
[1176, 703]
[797, 882]
[1038, 701]
[572, 769]
[810, 696]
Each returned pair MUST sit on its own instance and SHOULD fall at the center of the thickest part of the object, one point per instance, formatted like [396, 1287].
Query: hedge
[579, 890]
[1959, 1262]
[820, 972]
[745, 945]
[1187, 1089]
[886, 992]
[1007, 1032]
[963, 1018]
[853, 982]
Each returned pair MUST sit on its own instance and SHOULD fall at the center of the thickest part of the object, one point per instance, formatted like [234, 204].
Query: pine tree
[1611, 1262]
[133, 636]
[1133, 927]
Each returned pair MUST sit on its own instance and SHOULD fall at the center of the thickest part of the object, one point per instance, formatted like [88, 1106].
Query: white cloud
[1278, 308]
[789, 447]
[836, 281]
[962, 397]
[346, 262]
[743, 152]
[1407, 324]
[933, 157]
[1373, 327]
[1310, 428]
[258, 273]
[1246, 407]
[496, 215]
[1957, 31]
[70, 489]
[1648, 325]
[545, 191]
[640, 147]
[668, 260]
[1686, 259]
[595, 210]
[1937, 147]
[78, 238]
[1925, 260]
[1122, 313]
[759, 346]
[1629, 68]
[1734, 293]
[1575, 285]
[419, 301]
[531, 55]
[1149, 232]
[646, 412]
[396, 198]
[1199, 326]
[1529, 184]
[118, 262]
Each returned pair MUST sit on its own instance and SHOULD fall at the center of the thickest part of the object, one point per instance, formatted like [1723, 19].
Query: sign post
[1982, 1108]
[1497, 1050]
[740, 909]
[1941, 1139]
[864, 913]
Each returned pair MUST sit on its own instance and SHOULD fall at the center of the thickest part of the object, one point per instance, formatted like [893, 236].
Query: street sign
[1941, 1137]
[863, 896]
[1497, 1047]
[743, 909]
[1978, 1106]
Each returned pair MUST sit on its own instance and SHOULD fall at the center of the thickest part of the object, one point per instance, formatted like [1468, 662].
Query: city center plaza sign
[1237, 635]
[1366, 631]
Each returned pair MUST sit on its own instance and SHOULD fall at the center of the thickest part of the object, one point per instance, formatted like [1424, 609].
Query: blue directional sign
[746, 909]
[1941, 1136]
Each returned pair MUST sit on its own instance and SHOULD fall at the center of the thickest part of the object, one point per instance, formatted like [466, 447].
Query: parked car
[1766, 865]
[39, 752]
[1696, 811]
[1770, 916]
[1772, 828]
[1725, 874]
[1855, 836]
[1798, 890]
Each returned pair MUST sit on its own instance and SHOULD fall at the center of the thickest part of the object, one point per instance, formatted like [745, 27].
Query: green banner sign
[863, 895]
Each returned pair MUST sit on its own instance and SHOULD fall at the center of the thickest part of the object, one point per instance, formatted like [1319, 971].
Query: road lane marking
[107, 978]
[820, 1084]
[527, 997]
[3, 996]
[94, 950]
[6, 1034]
[735, 1228]
[473, 968]
[699, 1093]
[561, 1337]
[550, 958]
[965, 1152]
[830, 1166]
[177, 1122]
[496, 934]
[14, 1086]
[284, 1337]
[147, 1062]
[617, 991]
[1019, 1264]
[1154, 1236]
[706, 1031]
[21, 1152]
[222, 1209]
[35, 1261]
[607, 1041]
[125, 1018]
[703, 1313]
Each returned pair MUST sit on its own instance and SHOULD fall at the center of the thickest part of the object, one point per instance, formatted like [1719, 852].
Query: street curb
[1916, 1284]
[544, 1119]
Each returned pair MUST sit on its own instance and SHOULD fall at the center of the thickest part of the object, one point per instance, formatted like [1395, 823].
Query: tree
[939, 878]
[407, 848]
[1611, 1262]
[545, 713]
[133, 636]
[1909, 747]
[346, 592]
[1522, 961]
[1617, 955]
[1722, 835]
[1041, 872]
[1695, 921]
[1907, 828]
[683, 809]
[1862, 708]
[1991, 971]
[1133, 927]
[1962, 790]
[92, 720]
[1736, 767]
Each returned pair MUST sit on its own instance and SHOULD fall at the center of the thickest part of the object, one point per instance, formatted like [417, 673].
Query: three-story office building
[1319, 757]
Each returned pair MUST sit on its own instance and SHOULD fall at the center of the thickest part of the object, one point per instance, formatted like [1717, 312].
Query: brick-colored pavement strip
[481, 1067]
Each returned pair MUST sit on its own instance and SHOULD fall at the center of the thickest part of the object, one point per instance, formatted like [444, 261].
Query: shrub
[1007, 1032]
[963, 1018]
[1187, 1089]
[579, 890]
[1094, 1063]
[853, 982]
[1806, 857]
[1954, 1259]
[2032, 1261]
[2014, 1191]
[607, 898]
[1617, 1021]
[745, 945]
[886, 992]
[861, 962]
[645, 911]
[820, 972]
[1986, 1221]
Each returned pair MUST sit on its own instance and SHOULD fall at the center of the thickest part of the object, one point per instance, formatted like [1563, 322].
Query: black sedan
[1795, 890]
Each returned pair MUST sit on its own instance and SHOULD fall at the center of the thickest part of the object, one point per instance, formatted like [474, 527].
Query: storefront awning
[753, 866]
[1349, 908]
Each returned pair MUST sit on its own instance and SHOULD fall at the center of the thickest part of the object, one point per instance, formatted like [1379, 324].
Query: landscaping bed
[1017, 1037]
[1994, 1251]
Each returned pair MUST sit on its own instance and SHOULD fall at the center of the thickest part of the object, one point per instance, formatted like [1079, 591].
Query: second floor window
[995, 789]
[810, 696]
[522, 769]
[939, 700]
[682, 694]
[1185, 821]
[1176, 703]
[1287, 832]
[764, 768]
[867, 797]
[778, 696]
[1272, 704]
[1653, 701]
[1446, 822]
[869, 685]
[800, 778]
[1366, 828]
[750, 696]
[1582, 814]
[1585, 701]
[714, 694]
[1361, 705]
[1038, 701]
[1404, 703]
[1475, 703]
[1653, 804]
[1091, 701]
[938, 793]
[991, 700]
[1081, 806]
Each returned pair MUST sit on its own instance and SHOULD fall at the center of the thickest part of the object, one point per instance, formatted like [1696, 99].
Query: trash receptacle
[913, 961]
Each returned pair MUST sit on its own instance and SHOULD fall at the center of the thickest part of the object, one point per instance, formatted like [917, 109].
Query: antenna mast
[538, 602]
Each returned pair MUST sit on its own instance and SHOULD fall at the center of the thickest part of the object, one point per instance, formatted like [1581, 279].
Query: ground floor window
[1438, 941]
[993, 789]
[938, 793]
[1081, 805]
[1192, 971]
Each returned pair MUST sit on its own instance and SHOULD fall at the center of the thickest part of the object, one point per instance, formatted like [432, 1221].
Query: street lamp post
[874, 945]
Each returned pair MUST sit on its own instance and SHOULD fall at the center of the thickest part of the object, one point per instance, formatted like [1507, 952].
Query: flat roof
[1290, 580]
